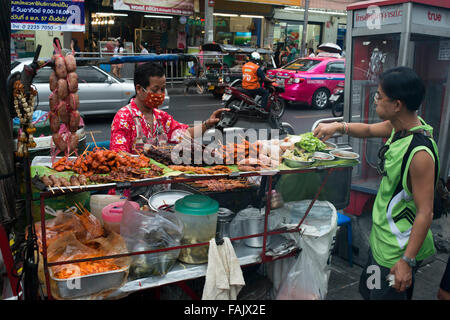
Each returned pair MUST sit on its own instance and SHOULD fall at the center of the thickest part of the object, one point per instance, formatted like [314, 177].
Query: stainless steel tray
[85, 286]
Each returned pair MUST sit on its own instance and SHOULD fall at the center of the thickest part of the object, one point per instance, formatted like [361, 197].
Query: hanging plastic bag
[144, 231]
[308, 276]
[84, 226]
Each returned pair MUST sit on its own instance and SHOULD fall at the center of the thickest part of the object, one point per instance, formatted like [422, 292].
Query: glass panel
[371, 56]
[428, 52]
[302, 65]
[88, 74]
[288, 32]
[335, 67]
[313, 35]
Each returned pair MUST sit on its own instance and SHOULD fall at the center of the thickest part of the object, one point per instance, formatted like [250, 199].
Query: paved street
[193, 107]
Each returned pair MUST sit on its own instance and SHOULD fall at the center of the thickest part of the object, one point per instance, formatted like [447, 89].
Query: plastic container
[199, 216]
[99, 201]
[112, 215]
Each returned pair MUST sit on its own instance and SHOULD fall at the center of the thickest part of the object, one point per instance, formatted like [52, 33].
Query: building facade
[261, 23]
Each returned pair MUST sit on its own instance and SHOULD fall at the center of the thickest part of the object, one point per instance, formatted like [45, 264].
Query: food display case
[383, 35]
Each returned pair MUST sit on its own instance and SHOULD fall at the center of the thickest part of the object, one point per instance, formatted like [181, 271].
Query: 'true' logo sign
[434, 16]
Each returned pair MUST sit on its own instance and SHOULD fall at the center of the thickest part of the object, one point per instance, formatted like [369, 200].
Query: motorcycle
[336, 101]
[234, 94]
[246, 111]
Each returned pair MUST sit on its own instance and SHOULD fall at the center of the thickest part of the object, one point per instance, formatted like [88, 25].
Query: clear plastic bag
[302, 281]
[68, 247]
[145, 230]
[307, 278]
[85, 227]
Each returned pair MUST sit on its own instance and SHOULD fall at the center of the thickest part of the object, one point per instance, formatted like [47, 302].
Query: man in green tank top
[400, 237]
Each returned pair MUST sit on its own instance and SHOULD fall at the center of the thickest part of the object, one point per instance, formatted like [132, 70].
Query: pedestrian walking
[292, 52]
[118, 50]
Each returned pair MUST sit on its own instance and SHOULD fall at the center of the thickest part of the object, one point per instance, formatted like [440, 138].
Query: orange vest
[250, 78]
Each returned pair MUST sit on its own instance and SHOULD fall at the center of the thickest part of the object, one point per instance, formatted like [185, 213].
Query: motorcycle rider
[253, 76]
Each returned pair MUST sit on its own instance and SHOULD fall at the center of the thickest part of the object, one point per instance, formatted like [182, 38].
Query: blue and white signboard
[47, 15]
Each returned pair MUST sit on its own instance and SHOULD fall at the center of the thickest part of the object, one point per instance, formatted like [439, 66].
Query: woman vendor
[141, 122]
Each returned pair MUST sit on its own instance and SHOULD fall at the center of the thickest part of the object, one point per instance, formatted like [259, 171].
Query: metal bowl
[344, 154]
[330, 146]
[322, 156]
[166, 198]
[297, 164]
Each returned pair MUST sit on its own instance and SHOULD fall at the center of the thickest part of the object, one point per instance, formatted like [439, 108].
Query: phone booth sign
[382, 35]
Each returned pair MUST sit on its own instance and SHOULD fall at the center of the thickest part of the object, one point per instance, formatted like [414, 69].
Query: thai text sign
[48, 15]
[276, 2]
[375, 17]
[174, 7]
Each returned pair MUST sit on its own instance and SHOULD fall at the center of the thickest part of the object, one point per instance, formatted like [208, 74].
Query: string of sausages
[64, 102]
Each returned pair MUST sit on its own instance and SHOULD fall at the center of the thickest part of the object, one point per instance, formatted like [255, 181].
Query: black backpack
[441, 200]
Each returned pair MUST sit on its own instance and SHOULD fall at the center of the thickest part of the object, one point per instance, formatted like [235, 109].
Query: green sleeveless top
[394, 209]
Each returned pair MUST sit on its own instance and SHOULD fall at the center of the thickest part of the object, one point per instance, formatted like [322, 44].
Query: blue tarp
[145, 58]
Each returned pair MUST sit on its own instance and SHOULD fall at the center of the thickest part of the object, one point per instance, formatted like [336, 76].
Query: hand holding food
[310, 143]
[325, 131]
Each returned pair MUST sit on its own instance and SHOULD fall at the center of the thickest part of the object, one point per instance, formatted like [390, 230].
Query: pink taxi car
[310, 80]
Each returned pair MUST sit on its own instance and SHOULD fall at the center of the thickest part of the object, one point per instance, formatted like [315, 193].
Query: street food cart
[386, 34]
[107, 270]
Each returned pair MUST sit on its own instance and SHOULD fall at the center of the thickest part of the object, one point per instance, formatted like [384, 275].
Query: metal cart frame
[264, 258]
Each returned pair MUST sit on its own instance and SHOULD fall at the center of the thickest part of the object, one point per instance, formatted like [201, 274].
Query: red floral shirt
[124, 131]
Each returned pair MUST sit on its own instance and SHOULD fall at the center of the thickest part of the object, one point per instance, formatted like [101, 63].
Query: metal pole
[305, 27]
[209, 23]
[7, 164]
[405, 36]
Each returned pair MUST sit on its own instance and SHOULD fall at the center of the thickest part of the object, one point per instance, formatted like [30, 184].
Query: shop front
[235, 23]
[162, 25]
[323, 26]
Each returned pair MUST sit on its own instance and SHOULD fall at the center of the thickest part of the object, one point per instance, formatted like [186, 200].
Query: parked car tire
[320, 98]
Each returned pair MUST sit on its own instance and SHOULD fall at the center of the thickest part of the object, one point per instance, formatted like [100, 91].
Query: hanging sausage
[64, 102]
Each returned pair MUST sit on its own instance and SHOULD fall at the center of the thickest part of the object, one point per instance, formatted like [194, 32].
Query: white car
[99, 92]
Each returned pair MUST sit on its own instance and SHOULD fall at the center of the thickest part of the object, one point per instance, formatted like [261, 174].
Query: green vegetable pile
[310, 143]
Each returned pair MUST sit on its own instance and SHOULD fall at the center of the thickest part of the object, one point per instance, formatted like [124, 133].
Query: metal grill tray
[85, 286]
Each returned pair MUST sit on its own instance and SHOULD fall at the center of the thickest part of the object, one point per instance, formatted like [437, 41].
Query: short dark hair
[144, 71]
[404, 84]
